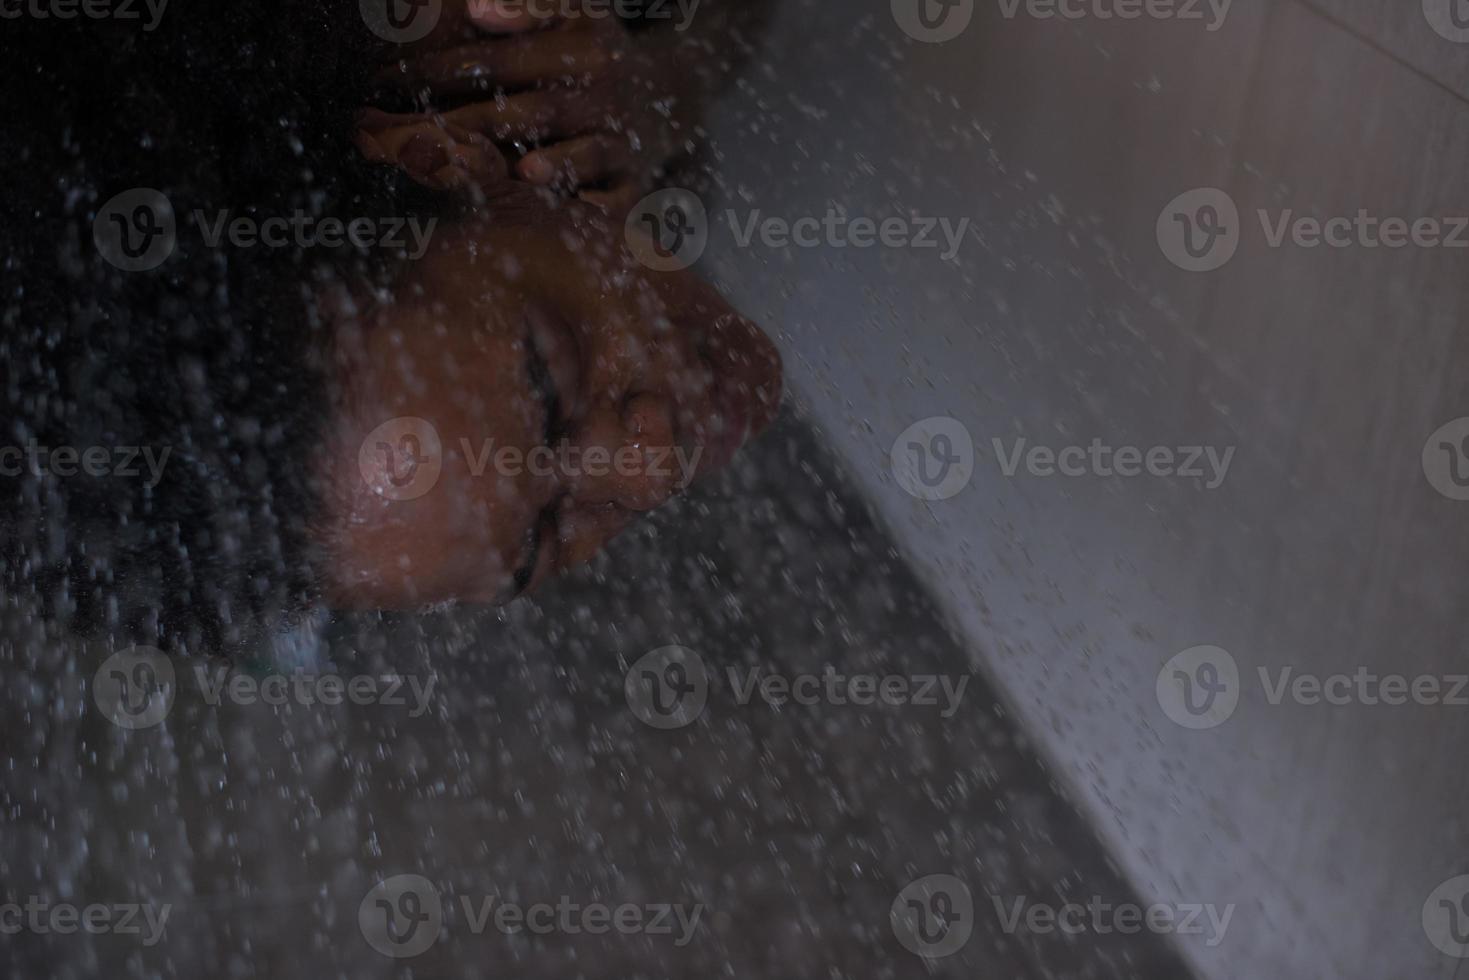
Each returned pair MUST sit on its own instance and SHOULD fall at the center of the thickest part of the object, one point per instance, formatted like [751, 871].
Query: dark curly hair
[214, 356]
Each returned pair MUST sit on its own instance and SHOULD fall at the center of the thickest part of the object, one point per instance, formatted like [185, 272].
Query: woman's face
[528, 390]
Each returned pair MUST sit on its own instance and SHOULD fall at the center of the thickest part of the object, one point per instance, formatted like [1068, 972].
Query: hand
[436, 153]
[580, 103]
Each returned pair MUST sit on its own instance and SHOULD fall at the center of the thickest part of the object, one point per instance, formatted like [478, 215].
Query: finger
[521, 16]
[533, 116]
[509, 63]
[596, 159]
[431, 151]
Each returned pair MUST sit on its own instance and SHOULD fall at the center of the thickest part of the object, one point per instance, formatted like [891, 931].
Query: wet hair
[214, 356]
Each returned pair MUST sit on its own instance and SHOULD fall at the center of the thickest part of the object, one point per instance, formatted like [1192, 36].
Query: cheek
[469, 542]
[454, 542]
[434, 503]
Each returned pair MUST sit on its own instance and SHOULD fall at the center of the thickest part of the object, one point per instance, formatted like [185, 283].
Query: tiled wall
[1326, 548]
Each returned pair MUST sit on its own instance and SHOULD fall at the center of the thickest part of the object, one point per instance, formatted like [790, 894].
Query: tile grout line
[1314, 7]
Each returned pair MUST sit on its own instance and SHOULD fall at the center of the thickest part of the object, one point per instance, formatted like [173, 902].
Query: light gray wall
[1325, 549]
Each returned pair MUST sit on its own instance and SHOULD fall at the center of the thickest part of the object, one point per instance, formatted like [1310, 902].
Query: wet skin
[576, 103]
[528, 324]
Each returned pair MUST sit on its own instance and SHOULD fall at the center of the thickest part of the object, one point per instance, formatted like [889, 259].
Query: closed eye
[545, 384]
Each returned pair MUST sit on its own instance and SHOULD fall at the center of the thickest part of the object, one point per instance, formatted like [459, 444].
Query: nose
[626, 453]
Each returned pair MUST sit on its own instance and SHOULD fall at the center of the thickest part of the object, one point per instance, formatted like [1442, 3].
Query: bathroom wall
[1325, 547]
